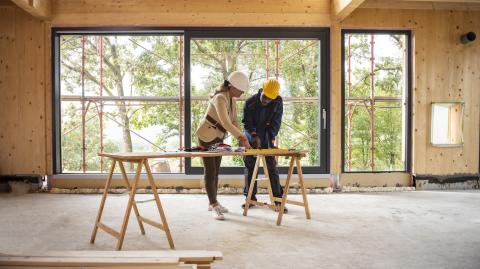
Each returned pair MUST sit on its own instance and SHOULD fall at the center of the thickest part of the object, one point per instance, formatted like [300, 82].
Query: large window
[146, 91]
[119, 93]
[376, 79]
[293, 62]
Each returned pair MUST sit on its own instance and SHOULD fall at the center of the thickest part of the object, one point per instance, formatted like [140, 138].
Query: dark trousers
[272, 172]
[212, 168]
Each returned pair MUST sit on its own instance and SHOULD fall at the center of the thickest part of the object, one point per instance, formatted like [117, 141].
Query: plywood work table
[141, 159]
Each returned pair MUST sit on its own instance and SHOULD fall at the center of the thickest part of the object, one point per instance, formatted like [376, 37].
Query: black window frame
[322, 34]
[408, 121]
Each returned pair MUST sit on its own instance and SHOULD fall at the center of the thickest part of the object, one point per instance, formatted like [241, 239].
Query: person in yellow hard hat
[262, 118]
[220, 118]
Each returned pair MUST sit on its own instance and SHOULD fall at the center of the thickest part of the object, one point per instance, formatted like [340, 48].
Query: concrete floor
[371, 230]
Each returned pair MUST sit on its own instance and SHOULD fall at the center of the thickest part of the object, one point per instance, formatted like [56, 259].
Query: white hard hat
[239, 80]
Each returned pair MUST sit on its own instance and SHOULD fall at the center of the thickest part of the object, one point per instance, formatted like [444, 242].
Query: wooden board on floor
[182, 255]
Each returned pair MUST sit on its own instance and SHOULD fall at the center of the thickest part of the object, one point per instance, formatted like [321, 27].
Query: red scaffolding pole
[349, 106]
[84, 148]
[101, 103]
[372, 102]
[180, 94]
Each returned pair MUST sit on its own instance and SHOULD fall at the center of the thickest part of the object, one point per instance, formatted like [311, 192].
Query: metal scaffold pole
[84, 148]
[372, 102]
[101, 103]
[349, 108]
[180, 94]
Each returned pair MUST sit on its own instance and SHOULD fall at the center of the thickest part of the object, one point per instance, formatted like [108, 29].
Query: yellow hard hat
[271, 88]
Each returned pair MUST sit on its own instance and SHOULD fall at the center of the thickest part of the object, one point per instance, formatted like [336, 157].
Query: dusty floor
[371, 230]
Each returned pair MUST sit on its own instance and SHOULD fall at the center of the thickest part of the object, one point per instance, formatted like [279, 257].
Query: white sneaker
[217, 213]
[222, 208]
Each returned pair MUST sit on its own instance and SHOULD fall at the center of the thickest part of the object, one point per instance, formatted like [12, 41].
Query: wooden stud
[129, 188]
[159, 204]
[267, 176]
[129, 205]
[285, 191]
[102, 202]
[302, 187]
[250, 188]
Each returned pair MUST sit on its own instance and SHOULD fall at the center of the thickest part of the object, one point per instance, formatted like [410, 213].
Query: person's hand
[257, 143]
[247, 145]
[273, 144]
[243, 142]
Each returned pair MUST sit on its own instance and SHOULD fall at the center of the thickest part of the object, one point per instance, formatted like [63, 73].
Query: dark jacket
[264, 120]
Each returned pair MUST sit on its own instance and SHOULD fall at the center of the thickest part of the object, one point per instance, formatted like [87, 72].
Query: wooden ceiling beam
[342, 8]
[443, 1]
[40, 9]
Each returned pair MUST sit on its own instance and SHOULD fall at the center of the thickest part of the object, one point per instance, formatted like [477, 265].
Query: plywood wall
[22, 93]
[444, 70]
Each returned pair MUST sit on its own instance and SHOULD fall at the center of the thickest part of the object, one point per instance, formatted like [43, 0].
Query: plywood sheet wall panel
[22, 102]
[7, 83]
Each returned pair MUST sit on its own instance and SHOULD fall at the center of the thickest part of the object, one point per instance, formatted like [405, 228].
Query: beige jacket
[223, 109]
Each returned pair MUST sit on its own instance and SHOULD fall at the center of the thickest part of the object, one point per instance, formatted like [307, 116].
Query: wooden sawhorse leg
[249, 201]
[131, 203]
[283, 200]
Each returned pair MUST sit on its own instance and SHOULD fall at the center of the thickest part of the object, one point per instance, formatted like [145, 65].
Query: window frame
[408, 93]
[322, 34]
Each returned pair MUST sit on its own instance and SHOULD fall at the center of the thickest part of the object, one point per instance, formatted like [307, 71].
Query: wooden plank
[127, 184]
[109, 230]
[285, 191]
[204, 6]
[182, 255]
[422, 5]
[84, 261]
[131, 199]
[102, 201]
[40, 9]
[152, 223]
[159, 205]
[249, 200]
[136, 156]
[342, 8]
[277, 199]
[444, 1]
[143, 266]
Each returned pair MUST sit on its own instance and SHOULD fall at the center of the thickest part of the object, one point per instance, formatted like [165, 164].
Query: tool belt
[215, 123]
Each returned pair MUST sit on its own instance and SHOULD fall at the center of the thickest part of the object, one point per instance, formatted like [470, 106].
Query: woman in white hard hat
[220, 118]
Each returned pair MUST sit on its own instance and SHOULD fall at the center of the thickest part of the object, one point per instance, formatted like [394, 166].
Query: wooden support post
[302, 188]
[267, 177]
[159, 205]
[285, 191]
[248, 201]
[102, 203]
[129, 190]
[129, 205]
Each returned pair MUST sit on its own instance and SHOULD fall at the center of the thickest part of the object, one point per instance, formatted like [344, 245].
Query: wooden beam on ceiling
[342, 8]
[442, 1]
[40, 9]
[461, 5]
